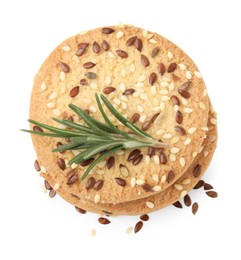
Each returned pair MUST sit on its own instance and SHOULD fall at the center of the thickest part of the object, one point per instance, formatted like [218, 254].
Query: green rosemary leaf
[68, 146]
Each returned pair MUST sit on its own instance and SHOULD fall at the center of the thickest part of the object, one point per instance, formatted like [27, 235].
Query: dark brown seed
[163, 158]
[120, 181]
[98, 185]
[138, 226]
[208, 186]
[70, 173]
[175, 100]
[103, 221]
[83, 82]
[179, 117]
[146, 125]
[87, 111]
[144, 60]
[96, 47]
[91, 75]
[187, 200]
[65, 68]
[61, 163]
[74, 91]
[82, 48]
[151, 151]
[106, 212]
[137, 160]
[36, 166]
[144, 217]
[110, 162]
[186, 85]
[72, 179]
[155, 51]
[105, 45]
[87, 162]
[134, 154]
[52, 193]
[154, 117]
[175, 77]
[81, 211]
[89, 65]
[58, 145]
[37, 129]
[161, 68]
[184, 93]
[170, 176]
[128, 91]
[152, 78]
[107, 30]
[194, 208]
[108, 90]
[74, 196]
[90, 183]
[131, 41]
[198, 185]
[177, 204]
[146, 187]
[197, 170]
[212, 194]
[135, 117]
[47, 185]
[138, 44]
[122, 54]
[171, 67]
[180, 130]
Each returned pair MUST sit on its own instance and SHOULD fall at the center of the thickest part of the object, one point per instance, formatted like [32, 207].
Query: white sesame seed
[183, 193]
[192, 130]
[187, 110]
[172, 157]
[167, 136]
[204, 128]
[171, 86]
[123, 73]
[187, 141]
[149, 36]
[176, 108]
[43, 86]
[165, 98]
[136, 94]
[166, 79]
[194, 154]
[43, 188]
[156, 159]
[182, 66]
[97, 198]
[188, 75]
[213, 121]
[62, 90]
[56, 186]
[121, 25]
[152, 41]
[155, 101]
[157, 188]
[163, 91]
[182, 161]
[139, 85]
[143, 96]
[153, 90]
[198, 74]
[73, 165]
[175, 149]
[119, 34]
[205, 153]
[163, 178]
[142, 118]
[100, 172]
[56, 112]
[199, 149]
[140, 108]
[93, 85]
[162, 106]
[184, 101]
[119, 152]
[108, 80]
[93, 232]
[111, 55]
[123, 105]
[51, 105]
[133, 182]
[75, 58]
[147, 159]
[145, 33]
[169, 55]
[142, 78]
[159, 132]
[83, 32]
[140, 182]
[186, 181]
[175, 139]
[101, 164]
[66, 48]
[92, 109]
[86, 100]
[202, 105]
[53, 95]
[164, 84]
[155, 177]
[178, 186]
[132, 68]
[62, 76]
[116, 101]
[123, 98]
[129, 230]
[122, 87]
[205, 92]
[150, 204]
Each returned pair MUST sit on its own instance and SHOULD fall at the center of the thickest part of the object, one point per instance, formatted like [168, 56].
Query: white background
[32, 226]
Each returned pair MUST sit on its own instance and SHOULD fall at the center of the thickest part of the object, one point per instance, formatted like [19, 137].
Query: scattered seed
[90, 183]
[138, 226]
[87, 162]
[93, 232]
[175, 78]
[146, 125]
[36, 166]
[177, 204]
[47, 185]
[184, 93]
[144, 217]
[187, 200]
[171, 67]
[61, 163]
[105, 45]
[91, 75]
[180, 130]
[89, 65]
[131, 41]
[72, 178]
[163, 158]
[74, 92]
[179, 117]
[108, 90]
[134, 154]
[52, 193]
[175, 100]
[146, 187]
[198, 185]
[161, 69]
[129, 230]
[96, 47]
[110, 162]
[197, 170]
[103, 221]
[138, 44]
[151, 151]
[145, 61]
[98, 185]
[124, 171]
[170, 176]
[81, 211]
[82, 48]
[154, 52]
[122, 54]
[152, 78]
[97, 198]
[207, 186]
[120, 181]
[186, 85]
[194, 208]
[135, 117]
[37, 129]
[107, 30]
[137, 160]
[212, 194]
[65, 68]
[83, 82]
[129, 91]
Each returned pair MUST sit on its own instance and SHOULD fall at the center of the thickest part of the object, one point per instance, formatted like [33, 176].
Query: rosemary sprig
[96, 137]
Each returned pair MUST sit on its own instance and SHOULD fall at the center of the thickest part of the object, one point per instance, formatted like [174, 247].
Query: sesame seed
[119, 152]
[43, 86]
[153, 90]
[168, 136]
[66, 48]
[205, 153]
[164, 84]
[163, 91]
[133, 182]
[108, 80]
[157, 188]
[123, 73]
[156, 159]
[62, 76]
[165, 98]
[198, 74]
[152, 41]
[124, 98]
[163, 178]
[53, 95]
[155, 177]
[116, 101]
[119, 34]
[100, 172]
[97, 198]
[56, 112]
[129, 230]
[149, 36]
[182, 161]
[159, 132]
[93, 232]
[183, 193]
[205, 92]
[176, 108]
[171, 86]
[147, 159]
[140, 182]
[142, 118]
[43, 170]
[187, 110]
[123, 105]
[140, 108]
[172, 157]
[83, 32]
[132, 68]
[184, 101]
[213, 121]
[92, 109]
[182, 66]
[175, 150]
[111, 55]
[73, 165]
[188, 75]
[199, 149]
[139, 85]
[162, 106]
[192, 130]
[143, 96]
[75, 58]
[93, 85]
[150, 204]
[202, 105]
[169, 55]
[204, 128]
[56, 186]
[175, 139]
[186, 181]
[194, 154]
[178, 186]
[187, 141]
[51, 105]
[122, 87]
[145, 33]
[142, 78]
